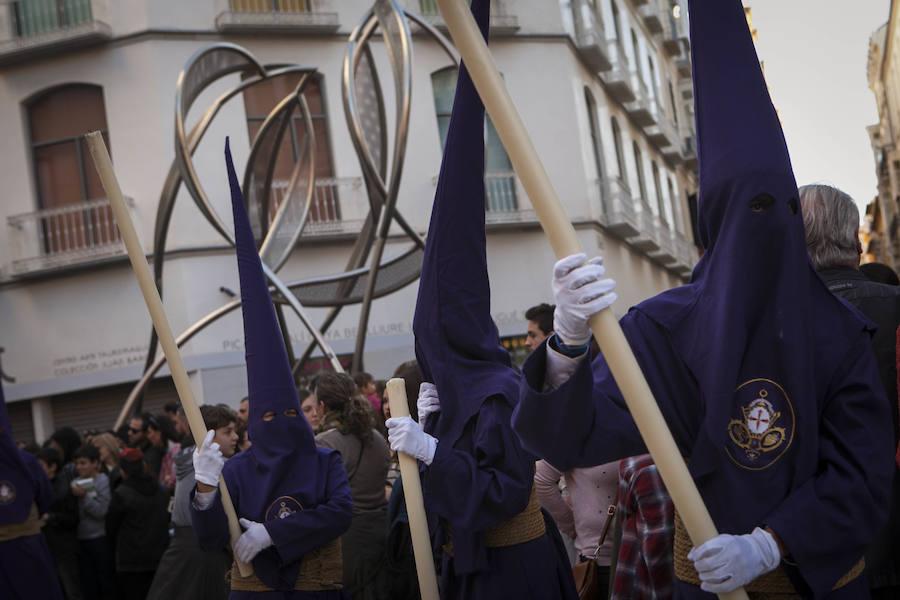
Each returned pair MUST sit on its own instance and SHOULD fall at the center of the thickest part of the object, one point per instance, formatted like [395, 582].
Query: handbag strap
[610, 513]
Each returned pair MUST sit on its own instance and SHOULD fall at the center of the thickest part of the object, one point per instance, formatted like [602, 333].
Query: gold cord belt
[526, 526]
[773, 585]
[30, 526]
[319, 570]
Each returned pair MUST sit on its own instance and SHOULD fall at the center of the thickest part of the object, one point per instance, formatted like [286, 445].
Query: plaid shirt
[644, 569]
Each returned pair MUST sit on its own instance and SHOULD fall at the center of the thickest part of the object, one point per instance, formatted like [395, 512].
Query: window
[672, 100]
[639, 165]
[637, 51]
[653, 85]
[620, 155]
[616, 22]
[664, 213]
[596, 142]
[676, 206]
[259, 100]
[500, 180]
[64, 173]
[36, 17]
[428, 7]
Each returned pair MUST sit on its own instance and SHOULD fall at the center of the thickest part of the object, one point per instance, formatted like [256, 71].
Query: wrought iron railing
[501, 17]
[338, 205]
[289, 6]
[38, 17]
[63, 235]
[500, 188]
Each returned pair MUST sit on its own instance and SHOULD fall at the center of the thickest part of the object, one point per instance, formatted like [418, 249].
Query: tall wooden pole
[157, 314]
[561, 233]
[415, 504]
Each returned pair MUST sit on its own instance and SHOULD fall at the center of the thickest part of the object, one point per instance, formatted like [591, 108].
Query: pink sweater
[583, 514]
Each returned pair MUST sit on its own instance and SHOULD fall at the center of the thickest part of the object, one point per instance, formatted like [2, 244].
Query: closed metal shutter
[20, 420]
[97, 409]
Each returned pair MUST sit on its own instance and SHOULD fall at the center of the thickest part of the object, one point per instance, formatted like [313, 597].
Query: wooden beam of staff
[157, 314]
[615, 348]
[415, 505]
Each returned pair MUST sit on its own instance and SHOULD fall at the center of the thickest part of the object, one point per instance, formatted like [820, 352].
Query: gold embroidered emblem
[7, 492]
[761, 430]
[283, 507]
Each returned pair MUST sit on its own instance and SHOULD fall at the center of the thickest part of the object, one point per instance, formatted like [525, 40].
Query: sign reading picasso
[762, 422]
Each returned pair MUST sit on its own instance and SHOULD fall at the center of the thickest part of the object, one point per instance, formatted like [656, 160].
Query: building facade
[603, 87]
[883, 71]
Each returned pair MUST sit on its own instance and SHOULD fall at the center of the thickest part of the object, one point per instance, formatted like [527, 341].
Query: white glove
[252, 542]
[405, 435]
[428, 401]
[579, 294]
[728, 562]
[208, 461]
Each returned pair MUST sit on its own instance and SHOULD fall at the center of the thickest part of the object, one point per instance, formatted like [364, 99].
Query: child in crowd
[91, 487]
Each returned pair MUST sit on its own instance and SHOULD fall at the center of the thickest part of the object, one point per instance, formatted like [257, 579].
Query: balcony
[647, 238]
[34, 28]
[675, 39]
[683, 64]
[590, 36]
[685, 256]
[674, 153]
[652, 17]
[618, 208]
[643, 109]
[339, 206]
[620, 81]
[503, 21]
[266, 16]
[689, 151]
[662, 133]
[503, 199]
[63, 236]
[667, 253]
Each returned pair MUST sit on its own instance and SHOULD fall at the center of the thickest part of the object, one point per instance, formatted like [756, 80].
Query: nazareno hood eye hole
[761, 202]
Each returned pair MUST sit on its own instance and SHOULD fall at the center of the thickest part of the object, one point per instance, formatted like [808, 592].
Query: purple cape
[17, 491]
[26, 569]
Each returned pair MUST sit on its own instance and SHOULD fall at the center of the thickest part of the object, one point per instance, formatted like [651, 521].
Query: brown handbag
[586, 573]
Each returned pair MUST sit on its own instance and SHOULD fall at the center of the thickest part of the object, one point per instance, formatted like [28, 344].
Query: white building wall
[87, 328]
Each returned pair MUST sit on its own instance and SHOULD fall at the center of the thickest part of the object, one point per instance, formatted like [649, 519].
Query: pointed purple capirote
[457, 344]
[282, 446]
[16, 489]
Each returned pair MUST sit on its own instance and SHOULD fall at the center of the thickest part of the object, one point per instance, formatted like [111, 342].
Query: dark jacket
[880, 303]
[138, 523]
[62, 516]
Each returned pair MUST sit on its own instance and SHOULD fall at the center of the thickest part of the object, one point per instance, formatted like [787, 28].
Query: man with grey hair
[831, 220]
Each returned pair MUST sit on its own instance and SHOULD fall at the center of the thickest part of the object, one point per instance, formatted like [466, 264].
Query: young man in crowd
[186, 571]
[540, 325]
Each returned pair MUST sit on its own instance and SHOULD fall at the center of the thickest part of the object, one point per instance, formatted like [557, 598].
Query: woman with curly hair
[348, 427]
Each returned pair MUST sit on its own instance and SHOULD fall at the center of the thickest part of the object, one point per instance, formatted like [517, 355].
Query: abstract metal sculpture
[279, 225]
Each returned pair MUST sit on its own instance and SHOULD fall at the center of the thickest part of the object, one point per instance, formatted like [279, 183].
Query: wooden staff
[415, 505]
[157, 314]
[650, 422]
